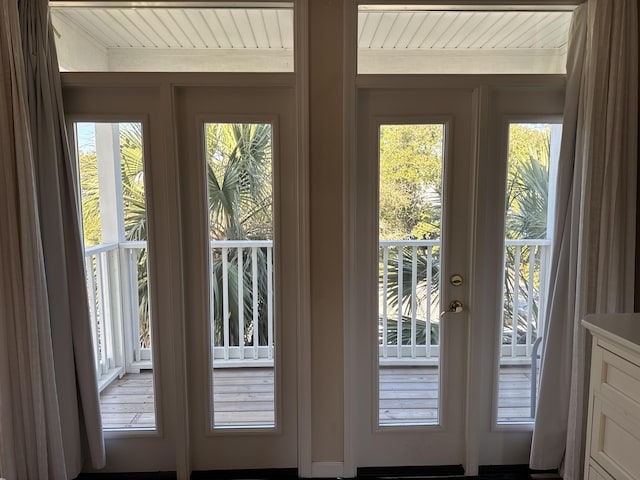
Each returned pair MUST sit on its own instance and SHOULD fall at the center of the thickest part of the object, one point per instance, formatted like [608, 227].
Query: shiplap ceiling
[180, 28]
[459, 30]
[393, 40]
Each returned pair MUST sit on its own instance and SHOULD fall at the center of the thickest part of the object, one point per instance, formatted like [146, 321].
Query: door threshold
[411, 471]
[248, 474]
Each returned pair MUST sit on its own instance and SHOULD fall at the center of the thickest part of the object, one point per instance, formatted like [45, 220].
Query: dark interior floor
[509, 472]
[495, 476]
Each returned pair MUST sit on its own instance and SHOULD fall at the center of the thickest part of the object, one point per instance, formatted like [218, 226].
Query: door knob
[455, 306]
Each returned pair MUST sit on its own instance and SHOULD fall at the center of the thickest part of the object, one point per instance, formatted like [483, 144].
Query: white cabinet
[613, 431]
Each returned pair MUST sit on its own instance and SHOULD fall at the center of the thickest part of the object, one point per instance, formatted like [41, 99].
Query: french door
[429, 422]
[432, 318]
[191, 216]
[237, 163]
[430, 326]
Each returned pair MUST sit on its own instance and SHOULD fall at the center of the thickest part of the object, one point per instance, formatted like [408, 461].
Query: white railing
[98, 262]
[114, 308]
[527, 262]
[139, 316]
[121, 337]
[416, 262]
[242, 312]
[417, 316]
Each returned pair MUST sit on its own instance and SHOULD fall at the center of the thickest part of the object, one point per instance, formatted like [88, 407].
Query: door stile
[182, 444]
[480, 112]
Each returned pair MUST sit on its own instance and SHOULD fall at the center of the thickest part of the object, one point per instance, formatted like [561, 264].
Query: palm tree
[240, 208]
[135, 220]
[239, 191]
[426, 295]
[526, 205]
[239, 198]
[239, 181]
[410, 192]
[135, 216]
[526, 218]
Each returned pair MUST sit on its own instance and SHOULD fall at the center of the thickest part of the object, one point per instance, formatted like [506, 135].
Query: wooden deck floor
[244, 396]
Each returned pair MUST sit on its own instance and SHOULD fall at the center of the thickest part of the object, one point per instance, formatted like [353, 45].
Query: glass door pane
[114, 217]
[410, 209]
[528, 235]
[240, 210]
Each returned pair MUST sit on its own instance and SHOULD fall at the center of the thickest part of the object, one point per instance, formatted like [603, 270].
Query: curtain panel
[49, 411]
[594, 254]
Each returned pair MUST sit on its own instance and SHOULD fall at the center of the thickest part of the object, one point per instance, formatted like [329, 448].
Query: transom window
[173, 39]
[466, 39]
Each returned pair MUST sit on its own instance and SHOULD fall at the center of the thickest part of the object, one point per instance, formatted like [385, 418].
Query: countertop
[623, 328]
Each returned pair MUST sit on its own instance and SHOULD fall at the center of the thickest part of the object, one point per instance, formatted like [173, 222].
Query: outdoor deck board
[246, 396]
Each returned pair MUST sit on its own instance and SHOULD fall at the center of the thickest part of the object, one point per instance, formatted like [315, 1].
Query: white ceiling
[458, 30]
[395, 40]
[204, 28]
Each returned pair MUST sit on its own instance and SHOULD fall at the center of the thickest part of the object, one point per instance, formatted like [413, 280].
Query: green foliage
[239, 184]
[246, 277]
[134, 209]
[89, 195]
[427, 299]
[132, 174]
[410, 181]
[239, 189]
[526, 218]
[527, 182]
[135, 215]
[410, 207]
[239, 181]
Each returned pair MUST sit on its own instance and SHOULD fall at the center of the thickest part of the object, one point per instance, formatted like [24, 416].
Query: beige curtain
[49, 412]
[594, 253]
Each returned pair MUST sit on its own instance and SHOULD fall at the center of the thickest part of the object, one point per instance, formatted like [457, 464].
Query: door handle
[454, 307]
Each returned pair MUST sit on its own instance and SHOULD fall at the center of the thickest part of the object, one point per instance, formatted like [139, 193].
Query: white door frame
[496, 99]
[226, 448]
[404, 445]
[540, 100]
[98, 96]
[131, 450]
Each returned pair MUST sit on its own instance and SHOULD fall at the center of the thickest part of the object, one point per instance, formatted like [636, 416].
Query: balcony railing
[242, 321]
[409, 301]
[243, 311]
[112, 272]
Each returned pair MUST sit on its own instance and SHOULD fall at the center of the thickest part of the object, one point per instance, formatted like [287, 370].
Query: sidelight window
[157, 38]
[110, 160]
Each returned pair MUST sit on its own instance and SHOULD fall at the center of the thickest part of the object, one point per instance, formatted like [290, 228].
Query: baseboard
[327, 469]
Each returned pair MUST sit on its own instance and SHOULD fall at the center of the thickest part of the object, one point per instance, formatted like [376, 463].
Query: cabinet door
[614, 436]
